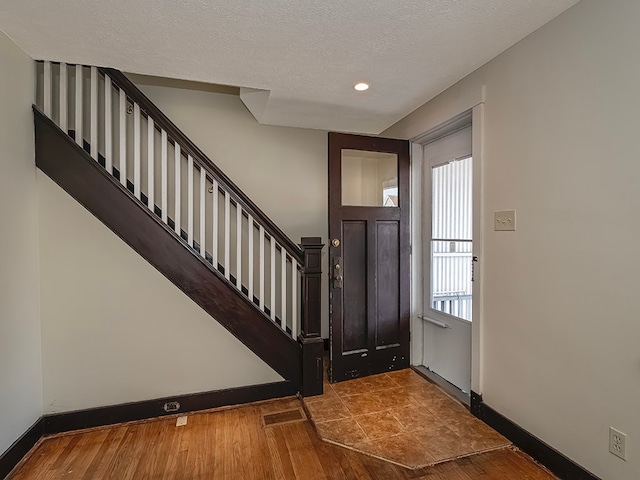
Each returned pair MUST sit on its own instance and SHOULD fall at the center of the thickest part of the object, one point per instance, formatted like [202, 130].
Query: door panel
[368, 254]
[447, 351]
[388, 287]
[354, 263]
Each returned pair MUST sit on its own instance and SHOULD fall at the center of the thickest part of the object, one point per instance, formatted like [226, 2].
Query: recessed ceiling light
[361, 87]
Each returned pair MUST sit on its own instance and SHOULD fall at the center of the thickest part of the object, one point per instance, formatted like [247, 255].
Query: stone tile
[395, 398]
[442, 443]
[326, 410]
[415, 417]
[401, 417]
[376, 383]
[428, 395]
[479, 435]
[381, 424]
[403, 449]
[349, 387]
[407, 377]
[346, 431]
[362, 404]
[449, 412]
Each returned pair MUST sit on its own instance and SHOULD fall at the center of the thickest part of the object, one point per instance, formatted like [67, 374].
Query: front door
[368, 255]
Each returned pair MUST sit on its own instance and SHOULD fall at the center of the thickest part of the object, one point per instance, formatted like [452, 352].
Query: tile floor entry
[399, 417]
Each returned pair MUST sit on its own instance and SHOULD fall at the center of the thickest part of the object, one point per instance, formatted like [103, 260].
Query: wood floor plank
[234, 444]
[102, 460]
[157, 453]
[304, 457]
[173, 462]
[284, 454]
[84, 453]
[198, 458]
[277, 466]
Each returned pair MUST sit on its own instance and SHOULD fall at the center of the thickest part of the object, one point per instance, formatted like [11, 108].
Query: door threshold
[447, 386]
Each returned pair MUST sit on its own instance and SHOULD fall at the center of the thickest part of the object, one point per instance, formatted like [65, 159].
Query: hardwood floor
[234, 444]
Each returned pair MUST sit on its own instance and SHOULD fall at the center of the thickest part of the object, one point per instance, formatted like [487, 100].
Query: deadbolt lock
[335, 242]
[337, 272]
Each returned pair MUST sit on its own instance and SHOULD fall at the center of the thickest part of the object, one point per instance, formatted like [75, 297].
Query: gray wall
[20, 360]
[115, 330]
[560, 327]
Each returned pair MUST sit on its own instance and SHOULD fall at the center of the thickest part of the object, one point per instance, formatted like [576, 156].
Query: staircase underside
[73, 169]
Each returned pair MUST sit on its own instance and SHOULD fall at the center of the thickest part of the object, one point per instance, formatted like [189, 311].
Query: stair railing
[134, 141]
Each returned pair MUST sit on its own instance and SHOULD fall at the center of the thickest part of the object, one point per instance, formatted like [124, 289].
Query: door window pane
[451, 238]
[369, 179]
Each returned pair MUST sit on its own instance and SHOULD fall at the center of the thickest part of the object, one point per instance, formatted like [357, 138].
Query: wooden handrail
[161, 121]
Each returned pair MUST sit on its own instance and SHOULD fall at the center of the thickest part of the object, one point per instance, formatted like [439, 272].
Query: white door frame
[476, 109]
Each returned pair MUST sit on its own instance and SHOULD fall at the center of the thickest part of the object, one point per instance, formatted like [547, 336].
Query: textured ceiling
[297, 60]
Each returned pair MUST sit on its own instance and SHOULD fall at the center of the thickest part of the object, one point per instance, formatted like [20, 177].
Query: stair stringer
[73, 169]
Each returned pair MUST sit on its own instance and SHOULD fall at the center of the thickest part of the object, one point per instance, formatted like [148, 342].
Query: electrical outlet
[171, 406]
[618, 443]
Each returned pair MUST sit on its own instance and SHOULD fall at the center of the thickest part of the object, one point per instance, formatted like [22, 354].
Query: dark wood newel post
[310, 338]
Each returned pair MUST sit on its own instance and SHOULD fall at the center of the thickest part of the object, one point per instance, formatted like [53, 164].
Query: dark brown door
[368, 255]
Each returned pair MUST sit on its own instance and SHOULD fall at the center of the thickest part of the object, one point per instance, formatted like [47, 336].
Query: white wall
[283, 170]
[20, 361]
[561, 329]
[115, 330]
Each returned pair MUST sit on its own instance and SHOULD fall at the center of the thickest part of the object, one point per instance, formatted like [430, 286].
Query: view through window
[451, 237]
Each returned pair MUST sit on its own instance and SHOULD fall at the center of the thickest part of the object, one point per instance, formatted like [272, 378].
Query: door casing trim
[476, 113]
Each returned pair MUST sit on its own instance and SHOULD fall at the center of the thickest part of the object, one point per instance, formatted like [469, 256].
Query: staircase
[107, 145]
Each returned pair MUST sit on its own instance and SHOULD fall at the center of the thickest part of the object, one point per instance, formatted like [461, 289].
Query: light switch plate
[504, 221]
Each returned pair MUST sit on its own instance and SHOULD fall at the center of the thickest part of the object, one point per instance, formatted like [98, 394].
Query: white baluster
[227, 214]
[294, 298]
[79, 80]
[251, 232]
[47, 89]
[108, 135]
[272, 306]
[177, 186]
[64, 106]
[203, 190]
[214, 239]
[137, 169]
[190, 200]
[238, 246]
[93, 136]
[122, 97]
[283, 288]
[163, 174]
[261, 268]
[151, 176]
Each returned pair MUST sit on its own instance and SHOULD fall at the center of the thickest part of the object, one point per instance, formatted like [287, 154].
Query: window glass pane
[451, 278]
[369, 179]
[452, 203]
[451, 238]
